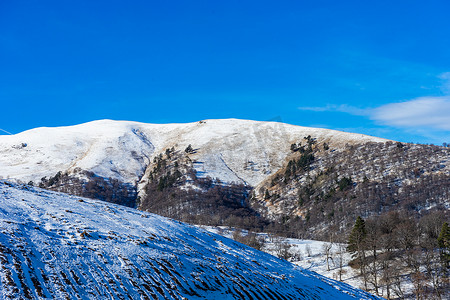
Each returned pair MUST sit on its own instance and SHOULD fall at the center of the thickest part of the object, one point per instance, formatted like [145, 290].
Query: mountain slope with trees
[322, 190]
[290, 180]
[56, 246]
[231, 150]
[261, 176]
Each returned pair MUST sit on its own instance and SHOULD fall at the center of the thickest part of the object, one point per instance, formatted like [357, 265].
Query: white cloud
[431, 112]
[5, 131]
[329, 107]
[425, 116]
[339, 108]
[445, 77]
[419, 113]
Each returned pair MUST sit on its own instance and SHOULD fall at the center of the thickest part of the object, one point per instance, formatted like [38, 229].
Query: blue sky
[380, 68]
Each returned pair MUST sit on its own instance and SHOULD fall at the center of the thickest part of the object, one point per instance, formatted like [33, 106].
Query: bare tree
[308, 250]
[372, 243]
[326, 250]
[434, 270]
[282, 249]
[339, 259]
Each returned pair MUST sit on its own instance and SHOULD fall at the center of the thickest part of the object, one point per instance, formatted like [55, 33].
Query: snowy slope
[308, 254]
[232, 150]
[64, 247]
[110, 149]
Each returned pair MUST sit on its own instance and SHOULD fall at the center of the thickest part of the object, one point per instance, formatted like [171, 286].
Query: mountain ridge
[122, 149]
[257, 175]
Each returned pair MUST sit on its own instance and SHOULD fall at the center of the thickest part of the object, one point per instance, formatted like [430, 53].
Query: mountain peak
[123, 149]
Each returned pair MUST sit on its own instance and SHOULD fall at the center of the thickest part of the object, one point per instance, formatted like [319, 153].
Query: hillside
[291, 180]
[57, 246]
[147, 165]
[238, 151]
[326, 192]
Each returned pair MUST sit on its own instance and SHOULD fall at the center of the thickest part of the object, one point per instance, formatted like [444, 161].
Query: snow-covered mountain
[231, 150]
[58, 246]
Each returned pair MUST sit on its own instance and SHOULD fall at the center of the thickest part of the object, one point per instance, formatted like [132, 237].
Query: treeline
[395, 249]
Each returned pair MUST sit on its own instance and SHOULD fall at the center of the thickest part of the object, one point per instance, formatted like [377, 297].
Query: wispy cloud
[445, 77]
[417, 114]
[5, 131]
[339, 108]
[431, 112]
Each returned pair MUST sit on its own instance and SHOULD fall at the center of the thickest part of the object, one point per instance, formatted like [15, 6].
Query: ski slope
[57, 246]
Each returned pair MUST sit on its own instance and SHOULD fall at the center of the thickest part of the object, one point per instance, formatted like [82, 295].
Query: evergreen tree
[345, 183]
[189, 149]
[444, 245]
[356, 246]
[357, 236]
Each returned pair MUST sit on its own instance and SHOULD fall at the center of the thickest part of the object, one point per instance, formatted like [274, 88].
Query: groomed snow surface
[58, 246]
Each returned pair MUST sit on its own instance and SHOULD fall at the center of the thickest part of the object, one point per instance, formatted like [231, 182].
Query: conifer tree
[356, 246]
[357, 236]
[444, 245]
[189, 149]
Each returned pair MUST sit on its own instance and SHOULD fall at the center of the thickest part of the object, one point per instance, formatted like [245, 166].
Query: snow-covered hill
[64, 247]
[231, 150]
